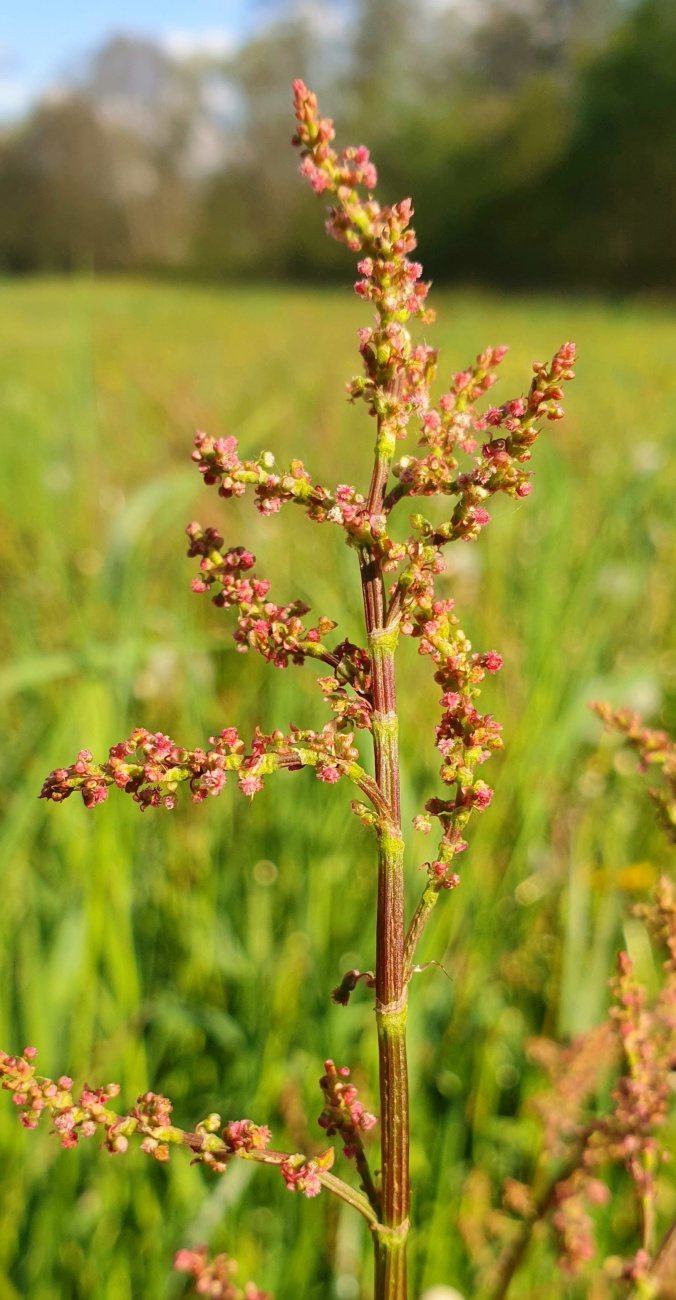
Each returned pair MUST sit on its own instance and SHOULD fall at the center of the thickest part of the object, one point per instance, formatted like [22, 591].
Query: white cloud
[205, 42]
[15, 97]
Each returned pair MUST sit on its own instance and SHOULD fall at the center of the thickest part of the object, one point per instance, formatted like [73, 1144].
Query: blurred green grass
[156, 950]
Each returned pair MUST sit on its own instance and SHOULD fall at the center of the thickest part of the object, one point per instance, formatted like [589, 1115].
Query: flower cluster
[275, 631]
[629, 1134]
[656, 749]
[465, 738]
[218, 461]
[150, 1118]
[239, 1136]
[321, 165]
[34, 1095]
[397, 373]
[150, 766]
[343, 1112]
[352, 668]
[83, 1116]
[303, 1175]
[505, 434]
[214, 1277]
[446, 427]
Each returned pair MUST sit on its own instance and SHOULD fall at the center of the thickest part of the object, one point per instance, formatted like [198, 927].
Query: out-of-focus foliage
[538, 138]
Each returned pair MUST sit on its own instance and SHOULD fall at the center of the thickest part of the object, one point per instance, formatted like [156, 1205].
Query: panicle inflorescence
[576, 1072]
[465, 738]
[151, 767]
[89, 1112]
[396, 373]
[275, 631]
[218, 462]
[149, 1118]
[505, 435]
[395, 383]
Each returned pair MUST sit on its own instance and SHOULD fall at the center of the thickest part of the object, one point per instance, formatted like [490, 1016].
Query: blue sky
[40, 38]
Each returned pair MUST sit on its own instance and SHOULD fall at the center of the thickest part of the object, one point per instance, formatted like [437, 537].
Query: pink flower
[482, 795]
[64, 1122]
[422, 824]
[432, 422]
[303, 1178]
[243, 1135]
[248, 782]
[327, 772]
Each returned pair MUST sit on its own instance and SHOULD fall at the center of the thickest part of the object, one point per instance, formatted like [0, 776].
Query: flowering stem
[390, 1275]
[395, 385]
[366, 1177]
[328, 1180]
[418, 922]
[349, 1195]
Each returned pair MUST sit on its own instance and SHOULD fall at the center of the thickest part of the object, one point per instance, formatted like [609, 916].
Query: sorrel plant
[398, 588]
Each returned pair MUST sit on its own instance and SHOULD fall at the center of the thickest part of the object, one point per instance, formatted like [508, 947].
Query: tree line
[539, 137]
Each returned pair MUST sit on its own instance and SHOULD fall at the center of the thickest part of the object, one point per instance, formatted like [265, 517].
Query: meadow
[194, 952]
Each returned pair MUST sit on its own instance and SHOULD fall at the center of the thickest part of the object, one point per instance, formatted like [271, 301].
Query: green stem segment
[390, 1262]
[418, 922]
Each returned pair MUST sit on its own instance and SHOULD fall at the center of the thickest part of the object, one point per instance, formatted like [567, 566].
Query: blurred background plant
[538, 136]
[195, 958]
